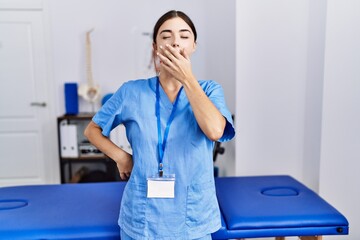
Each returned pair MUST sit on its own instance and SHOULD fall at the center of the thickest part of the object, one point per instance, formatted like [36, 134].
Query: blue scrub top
[194, 212]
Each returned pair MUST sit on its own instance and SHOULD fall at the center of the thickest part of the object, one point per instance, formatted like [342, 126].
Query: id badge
[161, 187]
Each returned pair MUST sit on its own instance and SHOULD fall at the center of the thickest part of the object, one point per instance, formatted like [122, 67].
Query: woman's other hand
[125, 166]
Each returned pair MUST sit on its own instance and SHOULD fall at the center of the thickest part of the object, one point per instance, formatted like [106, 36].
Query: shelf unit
[84, 163]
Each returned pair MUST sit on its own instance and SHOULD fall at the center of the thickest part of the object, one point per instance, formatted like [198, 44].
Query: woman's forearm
[209, 118]
[104, 144]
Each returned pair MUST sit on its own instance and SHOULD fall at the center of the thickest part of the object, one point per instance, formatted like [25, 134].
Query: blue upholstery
[68, 211]
[267, 206]
[251, 207]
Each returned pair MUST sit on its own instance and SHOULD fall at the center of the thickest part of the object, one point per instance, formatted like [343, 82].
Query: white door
[25, 157]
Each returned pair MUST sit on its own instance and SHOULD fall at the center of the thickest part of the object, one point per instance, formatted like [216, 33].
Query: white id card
[161, 187]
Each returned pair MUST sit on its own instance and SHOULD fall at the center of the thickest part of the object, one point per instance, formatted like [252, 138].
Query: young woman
[171, 121]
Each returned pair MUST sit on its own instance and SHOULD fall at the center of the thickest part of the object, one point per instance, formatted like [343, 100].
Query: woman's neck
[171, 87]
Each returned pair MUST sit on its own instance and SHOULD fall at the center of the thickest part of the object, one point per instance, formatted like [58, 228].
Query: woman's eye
[184, 37]
[165, 37]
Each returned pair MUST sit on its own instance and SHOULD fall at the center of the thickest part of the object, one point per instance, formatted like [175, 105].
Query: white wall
[121, 51]
[340, 149]
[272, 62]
[220, 65]
[313, 93]
[297, 96]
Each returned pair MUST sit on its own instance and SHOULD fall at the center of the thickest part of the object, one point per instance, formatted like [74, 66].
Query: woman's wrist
[121, 156]
[189, 82]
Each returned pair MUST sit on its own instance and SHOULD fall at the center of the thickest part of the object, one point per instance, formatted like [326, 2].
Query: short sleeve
[109, 115]
[216, 94]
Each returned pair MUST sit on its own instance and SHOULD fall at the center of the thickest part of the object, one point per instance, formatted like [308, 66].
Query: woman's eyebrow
[165, 31]
[185, 30]
[169, 31]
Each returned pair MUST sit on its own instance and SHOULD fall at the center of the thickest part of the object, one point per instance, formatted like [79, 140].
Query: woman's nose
[175, 42]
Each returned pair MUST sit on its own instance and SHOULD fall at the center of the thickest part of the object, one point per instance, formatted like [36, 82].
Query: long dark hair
[173, 14]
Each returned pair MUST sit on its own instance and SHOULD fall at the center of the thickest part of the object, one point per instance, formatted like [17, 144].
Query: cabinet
[80, 161]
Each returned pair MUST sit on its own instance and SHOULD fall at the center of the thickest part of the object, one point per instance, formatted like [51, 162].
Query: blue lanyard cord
[162, 142]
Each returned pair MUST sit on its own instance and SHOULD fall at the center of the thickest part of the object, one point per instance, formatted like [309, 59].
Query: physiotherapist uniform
[194, 211]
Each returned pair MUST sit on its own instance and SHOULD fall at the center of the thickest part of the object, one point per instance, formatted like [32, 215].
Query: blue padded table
[68, 211]
[274, 206]
[251, 207]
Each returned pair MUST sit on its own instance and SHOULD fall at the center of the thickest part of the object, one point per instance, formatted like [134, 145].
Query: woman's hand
[125, 166]
[176, 63]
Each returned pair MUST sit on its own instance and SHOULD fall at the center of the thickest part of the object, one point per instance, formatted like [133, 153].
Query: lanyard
[162, 142]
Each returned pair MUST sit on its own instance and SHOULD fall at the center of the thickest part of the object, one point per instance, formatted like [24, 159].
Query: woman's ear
[155, 59]
[194, 47]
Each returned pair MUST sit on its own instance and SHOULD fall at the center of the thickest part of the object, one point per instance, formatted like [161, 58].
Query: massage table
[251, 207]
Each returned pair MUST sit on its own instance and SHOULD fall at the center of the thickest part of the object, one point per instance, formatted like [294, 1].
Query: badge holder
[161, 186]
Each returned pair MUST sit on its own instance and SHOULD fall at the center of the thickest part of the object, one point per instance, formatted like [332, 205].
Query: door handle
[38, 104]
